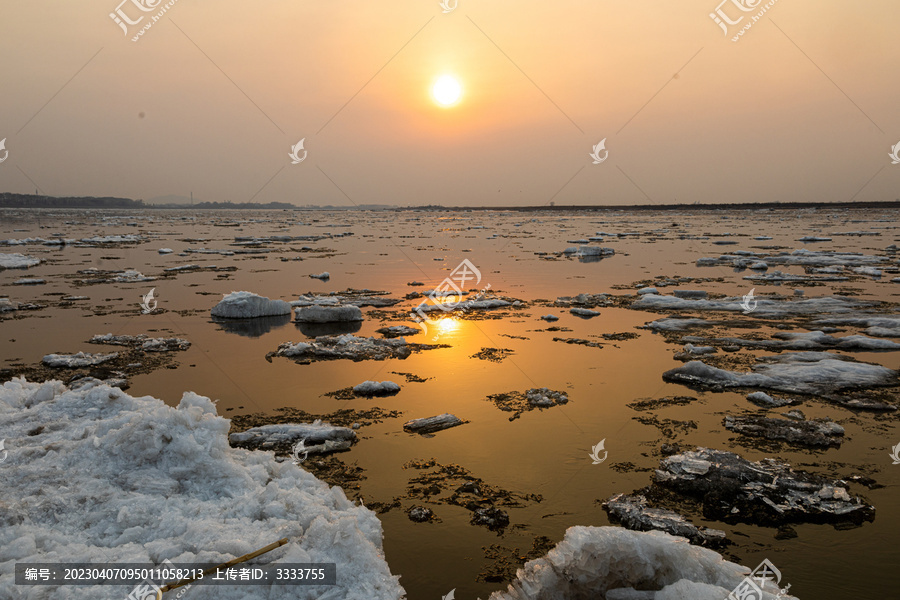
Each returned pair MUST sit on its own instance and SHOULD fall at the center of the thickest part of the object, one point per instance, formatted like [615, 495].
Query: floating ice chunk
[146, 459]
[672, 324]
[29, 281]
[395, 331]
[80, 359]
[550, 318]
[113, 239]
[758, 266]
[763, 399]
[767, 492]
[634, 513]
[694, 294]
[870, 271]
[647, 290]
[584, 312]
[376, 388]
[878, 325]
[699, 350]
[805, 433]
[612, 562]
[165, 251]
[346, 346]
[142, 341]
[15, 260]
[588, 251]
[247, 305]
[813, 238]
[318, 437]
[432, 424]
[328, 314]
[793, 372]
[322, 276]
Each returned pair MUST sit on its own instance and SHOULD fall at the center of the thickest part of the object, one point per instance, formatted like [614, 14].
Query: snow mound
[328, 314]
[611, 562]
[247, 305]
[15, 260]
[135, 480]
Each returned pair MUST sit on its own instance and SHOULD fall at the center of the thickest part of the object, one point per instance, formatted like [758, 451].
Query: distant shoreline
[29, 201]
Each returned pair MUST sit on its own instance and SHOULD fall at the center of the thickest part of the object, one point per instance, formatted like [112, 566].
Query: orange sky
[212, 97]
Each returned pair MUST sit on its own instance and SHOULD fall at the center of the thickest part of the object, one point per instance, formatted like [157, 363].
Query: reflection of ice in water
[335, 328]
[252, 328]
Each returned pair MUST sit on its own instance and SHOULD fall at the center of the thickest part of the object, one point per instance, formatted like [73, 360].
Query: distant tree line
[8, 200]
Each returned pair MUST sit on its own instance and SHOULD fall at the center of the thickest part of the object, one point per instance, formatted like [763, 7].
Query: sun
[446, 90]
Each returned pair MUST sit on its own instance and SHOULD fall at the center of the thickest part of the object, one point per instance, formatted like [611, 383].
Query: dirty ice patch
[135, 480]
[765, 306]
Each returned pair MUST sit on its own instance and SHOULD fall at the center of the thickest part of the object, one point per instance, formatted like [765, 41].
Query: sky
[212, 98]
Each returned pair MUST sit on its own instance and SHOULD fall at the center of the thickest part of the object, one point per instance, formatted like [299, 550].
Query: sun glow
[446, 90]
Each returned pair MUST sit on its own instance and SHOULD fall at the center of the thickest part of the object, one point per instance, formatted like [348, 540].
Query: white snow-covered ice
[376, 388]
[131, 479]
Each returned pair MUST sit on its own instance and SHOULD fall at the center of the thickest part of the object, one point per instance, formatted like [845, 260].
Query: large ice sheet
[98, 475]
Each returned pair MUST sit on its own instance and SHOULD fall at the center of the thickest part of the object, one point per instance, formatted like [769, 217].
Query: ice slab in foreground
[612, 562]
[247, 305]
[135, 480]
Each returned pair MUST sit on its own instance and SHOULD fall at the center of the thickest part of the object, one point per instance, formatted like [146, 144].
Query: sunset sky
[210, 100]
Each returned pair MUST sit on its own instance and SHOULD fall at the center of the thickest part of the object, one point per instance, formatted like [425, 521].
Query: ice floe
[805, 433]
[395, 331]
[768, 491]
[246, 305]
[79, 359]
[812, 340]
[797, 372]
[635, 513]
[15, 260]
[376, 388]
[765, 306]
[346, 346]
[117, 464]
[317, 437]
[432, 424]
[145, 343]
